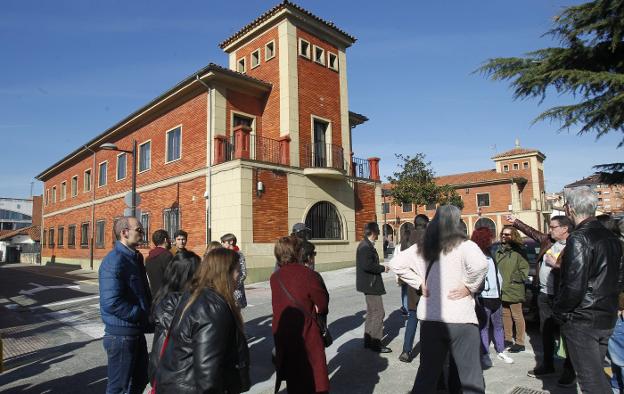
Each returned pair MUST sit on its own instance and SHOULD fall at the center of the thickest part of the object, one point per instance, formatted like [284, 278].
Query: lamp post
[132, 152]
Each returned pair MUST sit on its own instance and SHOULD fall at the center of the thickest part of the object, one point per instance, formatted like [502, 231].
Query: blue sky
[71, 69]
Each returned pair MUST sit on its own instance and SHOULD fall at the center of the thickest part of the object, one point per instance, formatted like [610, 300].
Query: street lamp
[113, 147]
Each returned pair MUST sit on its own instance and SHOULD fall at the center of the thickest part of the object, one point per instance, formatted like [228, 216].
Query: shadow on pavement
[342, 368]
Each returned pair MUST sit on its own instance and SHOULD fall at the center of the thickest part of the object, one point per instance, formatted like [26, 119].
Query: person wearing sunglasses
[514, 269]
[125, 305]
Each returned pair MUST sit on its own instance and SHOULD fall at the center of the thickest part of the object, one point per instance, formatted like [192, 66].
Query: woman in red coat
[298, 296]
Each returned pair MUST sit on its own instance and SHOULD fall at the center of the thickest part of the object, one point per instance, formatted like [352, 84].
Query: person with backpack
[489, 300]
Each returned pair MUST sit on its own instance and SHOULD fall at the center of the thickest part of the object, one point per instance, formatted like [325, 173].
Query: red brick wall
[527, 189]
[270, 210]
[238, 101]
[36, 210]
[364, 206]
[267, 71]
[189, 196]
[319, 92]
[191, 115]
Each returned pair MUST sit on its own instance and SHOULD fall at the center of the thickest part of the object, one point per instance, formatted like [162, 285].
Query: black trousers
[587, 348]
[462, 340]
[550, 331]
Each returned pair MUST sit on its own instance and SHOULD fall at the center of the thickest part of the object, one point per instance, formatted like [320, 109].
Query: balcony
[244, 145]
[323, 160]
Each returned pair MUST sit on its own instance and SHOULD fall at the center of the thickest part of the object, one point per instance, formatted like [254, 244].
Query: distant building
[19, 239]
[515, 185]
[610, 197]
[15, 213]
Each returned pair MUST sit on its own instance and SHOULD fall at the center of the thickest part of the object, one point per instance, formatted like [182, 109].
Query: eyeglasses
[552, 227]
[505, 234]
[138, 230]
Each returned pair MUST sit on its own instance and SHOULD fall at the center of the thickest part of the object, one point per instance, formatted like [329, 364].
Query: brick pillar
[219, 149]
[373, 164]
[241, 142]
[284, 150]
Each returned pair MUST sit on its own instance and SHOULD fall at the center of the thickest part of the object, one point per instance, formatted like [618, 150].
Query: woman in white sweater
[449, 269]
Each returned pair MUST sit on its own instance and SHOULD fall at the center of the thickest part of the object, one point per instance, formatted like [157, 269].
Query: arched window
[324, 221]
[485, 222]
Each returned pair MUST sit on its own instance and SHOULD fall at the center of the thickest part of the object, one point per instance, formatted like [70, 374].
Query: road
[50, 322]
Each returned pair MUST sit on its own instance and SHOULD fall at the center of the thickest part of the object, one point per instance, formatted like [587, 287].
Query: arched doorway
[486, 222]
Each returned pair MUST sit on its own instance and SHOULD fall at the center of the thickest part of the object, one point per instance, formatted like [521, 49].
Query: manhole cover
[526, 390]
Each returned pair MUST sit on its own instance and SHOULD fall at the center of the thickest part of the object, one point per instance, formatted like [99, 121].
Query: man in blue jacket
[125, 303]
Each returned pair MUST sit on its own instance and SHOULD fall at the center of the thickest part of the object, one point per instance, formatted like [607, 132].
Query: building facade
[15, 213]
[515, 185]
[249, 150]
[610, 197]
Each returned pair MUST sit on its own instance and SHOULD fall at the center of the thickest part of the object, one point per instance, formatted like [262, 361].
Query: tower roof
[518, 151]
[298, 12]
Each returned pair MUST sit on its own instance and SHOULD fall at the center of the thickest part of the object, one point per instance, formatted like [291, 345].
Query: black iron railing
[323, 156]
[265, 149]
[360, 168]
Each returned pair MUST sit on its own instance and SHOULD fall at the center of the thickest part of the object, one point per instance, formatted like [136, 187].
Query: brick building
[250, 149]
[515, 185]
[610, 197]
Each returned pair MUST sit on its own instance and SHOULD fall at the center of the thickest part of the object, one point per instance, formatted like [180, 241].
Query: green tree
[414, 182]
[588, 65]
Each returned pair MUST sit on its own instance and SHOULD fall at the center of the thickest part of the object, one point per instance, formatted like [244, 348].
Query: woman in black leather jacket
[177, 276]
[207, 350]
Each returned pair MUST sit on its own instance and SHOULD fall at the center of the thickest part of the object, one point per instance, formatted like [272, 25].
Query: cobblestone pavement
[52, 339]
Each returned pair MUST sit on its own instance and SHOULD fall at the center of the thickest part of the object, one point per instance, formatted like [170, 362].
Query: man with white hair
[587, 301]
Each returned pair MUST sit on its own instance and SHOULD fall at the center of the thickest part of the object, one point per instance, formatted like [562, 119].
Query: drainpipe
[210, 125]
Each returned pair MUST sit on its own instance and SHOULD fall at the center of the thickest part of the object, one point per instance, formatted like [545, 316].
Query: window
[269, 50]
[240, 66]
[145, 156]
[324, 221]
[99, 233]
[483, 199]
[304, 48]
[174, 144]
[407, 207]
[84, 235]
[47, 199]
[145, 223]
[51, 238]
[516, 166]
[332, 61]
[506, 168]
[319, 55]
[385, 207]
[171, 220]
[61, 235]
[54, 195]
[87, 180]
[255, 58]
[122, 165]
[238, 120]
[63, 190]
[319, 147]
[45, 238]
[102, 172]
[74, 186]
[71, 235]
[431, 206]
[525, 165]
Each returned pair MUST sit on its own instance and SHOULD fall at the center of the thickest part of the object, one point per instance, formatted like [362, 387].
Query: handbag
[240, 381]
[325, 334]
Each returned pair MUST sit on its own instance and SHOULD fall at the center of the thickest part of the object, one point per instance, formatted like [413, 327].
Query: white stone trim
[138, 164]
[258, 57]
[345, 130]
[336, 66]
[99, 184]
[84, 183]
[328, 137]
[301, 52]
[117, 179]
[315, 50]
[289, 82]
[266, 46]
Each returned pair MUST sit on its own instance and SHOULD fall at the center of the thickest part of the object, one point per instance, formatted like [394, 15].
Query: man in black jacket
[158, 259]
[369, 282]
[587, 300]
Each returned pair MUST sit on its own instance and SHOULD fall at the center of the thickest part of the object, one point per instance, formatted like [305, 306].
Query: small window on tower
[319, 55]
[506, 168]
[332, 61]
[255, 58]
[516, 166]
[525, 165]
[304, 48]
[240, 66]
[269, 50]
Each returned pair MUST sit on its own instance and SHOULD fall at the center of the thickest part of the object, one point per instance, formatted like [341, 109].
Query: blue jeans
[410, 331]
[127, 364]
[404, 302]
[616, 354]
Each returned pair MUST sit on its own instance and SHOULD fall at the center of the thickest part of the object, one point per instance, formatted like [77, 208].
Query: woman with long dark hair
[207, 351]
[299, 298]
[178, 274]
[489, 301]
[449, 269]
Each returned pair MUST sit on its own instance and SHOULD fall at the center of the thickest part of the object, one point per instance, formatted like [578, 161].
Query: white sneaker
[505, 358]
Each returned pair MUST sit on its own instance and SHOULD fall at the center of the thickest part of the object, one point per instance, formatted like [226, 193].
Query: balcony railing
[360, 168]
[320, 155]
